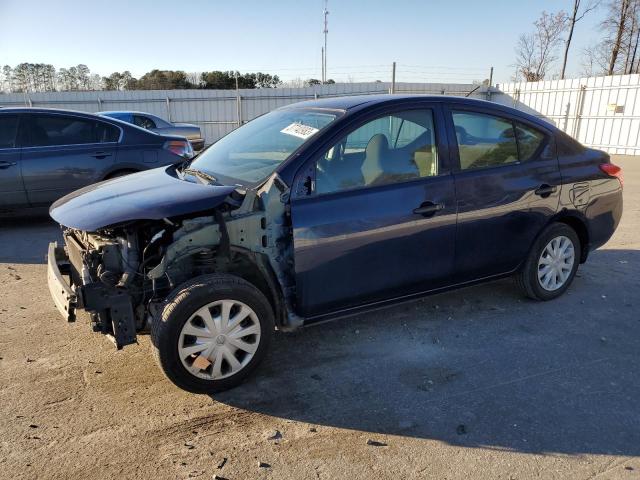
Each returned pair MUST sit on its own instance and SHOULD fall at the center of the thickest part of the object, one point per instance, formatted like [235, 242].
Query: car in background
[158, 125]
[48, 153]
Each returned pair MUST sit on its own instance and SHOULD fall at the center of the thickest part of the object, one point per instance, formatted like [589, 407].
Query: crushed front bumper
[63, 294]
[111, 309]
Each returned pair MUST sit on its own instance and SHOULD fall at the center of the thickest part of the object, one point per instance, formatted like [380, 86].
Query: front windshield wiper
[200, 174]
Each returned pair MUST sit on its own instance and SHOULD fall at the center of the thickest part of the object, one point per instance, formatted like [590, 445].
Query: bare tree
[617, 24]
[595, 59]
[575, 17]
[630, 36]
[536, 51]
[633, 66]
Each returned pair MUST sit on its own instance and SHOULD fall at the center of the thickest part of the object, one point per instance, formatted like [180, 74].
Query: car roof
[45, 110]
[109, 112]
[356, 102]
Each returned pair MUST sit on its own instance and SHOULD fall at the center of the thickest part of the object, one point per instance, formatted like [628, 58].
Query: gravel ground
[477, 383]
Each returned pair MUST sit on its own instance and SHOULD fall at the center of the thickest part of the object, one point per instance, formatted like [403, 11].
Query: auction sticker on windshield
[299, 130]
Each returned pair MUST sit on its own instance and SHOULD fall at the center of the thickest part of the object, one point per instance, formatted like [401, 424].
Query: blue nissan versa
[322, 209]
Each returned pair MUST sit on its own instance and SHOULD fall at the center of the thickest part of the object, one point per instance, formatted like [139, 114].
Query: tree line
[614, 53]
[41, 77]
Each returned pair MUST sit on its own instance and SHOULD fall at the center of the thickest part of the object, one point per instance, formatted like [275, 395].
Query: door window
[484, 140]
[390, 149]
[8, 130]
[51, 130]
[144, 122]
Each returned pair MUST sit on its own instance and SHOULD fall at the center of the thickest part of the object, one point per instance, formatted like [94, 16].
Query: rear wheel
[212, 333]
[552, 263]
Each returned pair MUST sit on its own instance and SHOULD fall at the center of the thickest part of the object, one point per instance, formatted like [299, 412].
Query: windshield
[252, 152]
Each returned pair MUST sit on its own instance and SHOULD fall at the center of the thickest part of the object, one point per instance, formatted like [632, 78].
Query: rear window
[51, 130]
[144, 122]
[8, 130]
[530, 141]
[484, 140]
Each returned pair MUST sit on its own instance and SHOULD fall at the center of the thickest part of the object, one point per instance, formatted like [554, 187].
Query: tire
[184, 314]
[529, 280]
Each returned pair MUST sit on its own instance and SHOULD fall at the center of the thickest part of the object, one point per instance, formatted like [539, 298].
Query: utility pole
[324, 56]
[322, 77]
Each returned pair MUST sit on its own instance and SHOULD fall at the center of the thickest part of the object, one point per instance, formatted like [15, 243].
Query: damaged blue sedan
[324, 209]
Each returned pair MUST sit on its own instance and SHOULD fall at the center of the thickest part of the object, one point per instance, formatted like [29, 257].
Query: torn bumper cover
[111, 308]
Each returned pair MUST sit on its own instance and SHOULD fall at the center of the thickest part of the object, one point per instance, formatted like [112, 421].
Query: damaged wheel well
[255, 269]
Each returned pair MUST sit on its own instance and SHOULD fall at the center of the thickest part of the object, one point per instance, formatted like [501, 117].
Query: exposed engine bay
[122, 274]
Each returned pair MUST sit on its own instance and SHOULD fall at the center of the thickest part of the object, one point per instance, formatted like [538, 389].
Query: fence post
[238, 103]
[579, 108]
[566, 116]
[393, 78]
[168, 108]
[99, 104]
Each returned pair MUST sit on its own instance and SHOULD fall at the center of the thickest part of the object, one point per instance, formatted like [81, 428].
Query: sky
[430, 40]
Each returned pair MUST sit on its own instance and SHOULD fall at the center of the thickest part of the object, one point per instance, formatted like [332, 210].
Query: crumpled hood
[149, 195]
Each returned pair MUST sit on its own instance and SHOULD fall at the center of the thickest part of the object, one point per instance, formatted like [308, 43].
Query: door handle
[427, 209]
[545, 190]
[100, 155]
[4, 165]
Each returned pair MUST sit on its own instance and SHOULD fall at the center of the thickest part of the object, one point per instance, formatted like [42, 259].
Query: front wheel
[212, 333]
[552, 263]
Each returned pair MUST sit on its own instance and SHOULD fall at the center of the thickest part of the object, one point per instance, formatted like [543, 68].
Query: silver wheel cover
[219, 339]
[556, 263]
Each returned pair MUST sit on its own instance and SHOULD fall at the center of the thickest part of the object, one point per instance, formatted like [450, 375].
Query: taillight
[181, 148]
[613, 171]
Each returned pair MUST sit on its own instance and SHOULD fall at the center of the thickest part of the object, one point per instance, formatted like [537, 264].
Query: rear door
[63, 153]
[508, 186]
[379, 222]
[12, 192]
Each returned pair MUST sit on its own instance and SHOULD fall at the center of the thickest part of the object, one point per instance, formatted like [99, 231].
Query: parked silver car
[158, 125]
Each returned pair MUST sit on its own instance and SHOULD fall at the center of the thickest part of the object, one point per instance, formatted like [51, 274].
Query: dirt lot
[477, 383]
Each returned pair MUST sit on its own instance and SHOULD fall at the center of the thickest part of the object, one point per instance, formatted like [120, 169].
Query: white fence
[601, 112]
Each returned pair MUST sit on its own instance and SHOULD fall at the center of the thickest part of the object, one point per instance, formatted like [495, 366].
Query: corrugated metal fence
[601, 112]
[217, 112]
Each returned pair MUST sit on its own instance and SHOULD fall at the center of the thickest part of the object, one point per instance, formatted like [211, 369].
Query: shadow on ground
[25, 240]
[479, 367]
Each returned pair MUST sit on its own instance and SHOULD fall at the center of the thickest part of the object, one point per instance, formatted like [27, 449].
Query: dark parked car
[156, 124]
[48, 153]
[324, 209]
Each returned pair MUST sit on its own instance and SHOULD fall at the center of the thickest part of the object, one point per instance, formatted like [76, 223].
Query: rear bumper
[111, 308]
[64, 296]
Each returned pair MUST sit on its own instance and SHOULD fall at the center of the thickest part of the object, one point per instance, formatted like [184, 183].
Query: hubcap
[556, 263]
[219, 339]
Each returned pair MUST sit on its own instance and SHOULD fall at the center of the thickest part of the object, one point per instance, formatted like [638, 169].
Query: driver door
[379, 223]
